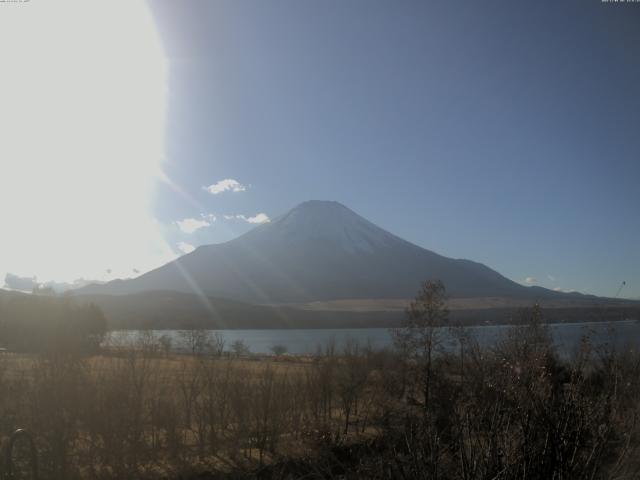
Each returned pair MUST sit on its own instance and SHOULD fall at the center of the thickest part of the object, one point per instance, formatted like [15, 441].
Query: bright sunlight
[81, 120]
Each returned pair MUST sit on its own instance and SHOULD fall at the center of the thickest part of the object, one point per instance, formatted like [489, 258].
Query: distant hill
[319, 251]
[176, 310]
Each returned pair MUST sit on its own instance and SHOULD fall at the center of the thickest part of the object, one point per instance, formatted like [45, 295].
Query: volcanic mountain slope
[318, 251]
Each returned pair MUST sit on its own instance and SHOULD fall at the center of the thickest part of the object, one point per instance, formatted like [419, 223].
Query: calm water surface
[566, 336]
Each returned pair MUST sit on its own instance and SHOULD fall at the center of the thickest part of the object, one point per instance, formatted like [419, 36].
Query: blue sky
[504, 132]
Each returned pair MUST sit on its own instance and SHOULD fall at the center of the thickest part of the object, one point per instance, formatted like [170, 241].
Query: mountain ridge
[317, 251]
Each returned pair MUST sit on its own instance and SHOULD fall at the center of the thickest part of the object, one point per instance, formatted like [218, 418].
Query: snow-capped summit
[328, 222]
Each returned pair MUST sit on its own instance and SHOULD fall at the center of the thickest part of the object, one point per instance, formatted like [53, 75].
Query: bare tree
[166, 343]
[197, 341]
[279, 349]
[217, 343]
[420, 335]
[240, 348]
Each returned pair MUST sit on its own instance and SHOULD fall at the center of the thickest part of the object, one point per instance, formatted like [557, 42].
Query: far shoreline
[335, 320]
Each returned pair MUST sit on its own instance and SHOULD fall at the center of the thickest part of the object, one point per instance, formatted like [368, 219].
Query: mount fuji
[318, 251]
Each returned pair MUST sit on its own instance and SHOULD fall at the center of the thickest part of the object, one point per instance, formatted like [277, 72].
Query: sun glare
[82, 108]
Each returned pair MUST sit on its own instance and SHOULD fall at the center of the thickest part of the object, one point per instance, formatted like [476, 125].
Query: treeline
[420, 410]
[37, 323]
[512, 411]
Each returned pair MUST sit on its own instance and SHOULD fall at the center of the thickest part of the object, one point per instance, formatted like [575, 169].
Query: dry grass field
[140, 412]
[513, 409]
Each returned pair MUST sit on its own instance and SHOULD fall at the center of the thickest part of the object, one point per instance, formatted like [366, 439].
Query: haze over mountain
[319, 250]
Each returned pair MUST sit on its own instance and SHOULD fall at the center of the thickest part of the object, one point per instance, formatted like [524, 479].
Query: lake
[566, 336]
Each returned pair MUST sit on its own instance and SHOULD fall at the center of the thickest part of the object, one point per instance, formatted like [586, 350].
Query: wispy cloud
[551, 277]
[258, 218]
[565, 290]
[185, 247]
[190, 225]
[530, 280]
[228, 184]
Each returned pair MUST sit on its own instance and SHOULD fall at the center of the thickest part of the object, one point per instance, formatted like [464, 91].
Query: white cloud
[565, 290]
[257, 218]
[224, 185]
[185, 247]
[190, 225]
[530, 280]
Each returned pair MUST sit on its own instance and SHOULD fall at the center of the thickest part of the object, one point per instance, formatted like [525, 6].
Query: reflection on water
[566, 336]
